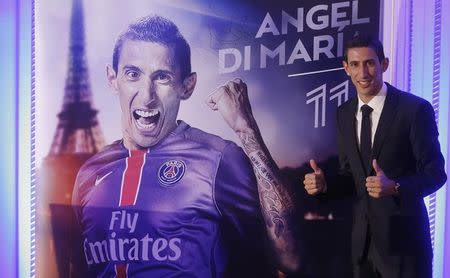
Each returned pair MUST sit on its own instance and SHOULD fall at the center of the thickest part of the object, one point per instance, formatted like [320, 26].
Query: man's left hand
[380, 185]
[231, 100]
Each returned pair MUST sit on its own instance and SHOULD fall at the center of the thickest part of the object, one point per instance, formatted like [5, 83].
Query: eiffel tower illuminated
[78, 136]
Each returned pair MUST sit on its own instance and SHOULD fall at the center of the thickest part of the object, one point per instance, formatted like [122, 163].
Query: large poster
[289, 53]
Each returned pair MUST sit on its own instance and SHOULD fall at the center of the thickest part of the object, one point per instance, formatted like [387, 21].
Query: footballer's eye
[163, 77]
[132, 74]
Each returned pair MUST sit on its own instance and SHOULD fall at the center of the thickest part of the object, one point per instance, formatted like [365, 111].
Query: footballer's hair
[160, 30]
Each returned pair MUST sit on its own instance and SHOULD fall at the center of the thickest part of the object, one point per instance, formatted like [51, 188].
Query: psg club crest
[171, 172]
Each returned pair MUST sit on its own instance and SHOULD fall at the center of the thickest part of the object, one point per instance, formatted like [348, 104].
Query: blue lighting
[8, 148]
[24, 98]
[430, 80]
[15, 88]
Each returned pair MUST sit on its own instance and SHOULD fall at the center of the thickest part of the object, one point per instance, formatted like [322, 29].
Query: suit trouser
[373, 265]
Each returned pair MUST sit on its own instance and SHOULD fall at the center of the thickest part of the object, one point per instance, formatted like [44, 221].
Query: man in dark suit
[389, 155]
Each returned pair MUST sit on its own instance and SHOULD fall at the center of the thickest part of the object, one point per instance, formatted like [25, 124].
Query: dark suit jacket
[407, 149]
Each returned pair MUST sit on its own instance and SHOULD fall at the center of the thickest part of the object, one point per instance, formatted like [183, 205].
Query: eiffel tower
[78, 136]
[78, 131]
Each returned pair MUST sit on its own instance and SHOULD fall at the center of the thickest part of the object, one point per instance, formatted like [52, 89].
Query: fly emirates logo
[120, 248]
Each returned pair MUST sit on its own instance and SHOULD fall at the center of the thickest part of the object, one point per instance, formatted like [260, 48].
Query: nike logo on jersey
[99, 180]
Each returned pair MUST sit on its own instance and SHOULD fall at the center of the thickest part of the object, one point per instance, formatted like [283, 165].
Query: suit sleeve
[340, 184]
[430, 174]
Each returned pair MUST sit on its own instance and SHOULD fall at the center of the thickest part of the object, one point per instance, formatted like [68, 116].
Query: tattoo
[275, 201]
[271, 204]
[249, 141]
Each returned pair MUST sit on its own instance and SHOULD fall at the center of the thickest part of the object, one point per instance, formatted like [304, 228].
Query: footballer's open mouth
[146, 120]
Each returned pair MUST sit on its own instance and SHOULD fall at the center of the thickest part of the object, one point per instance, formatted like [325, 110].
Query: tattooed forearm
[276, 202]
[249, 141]
[269, 179]
[270, 202]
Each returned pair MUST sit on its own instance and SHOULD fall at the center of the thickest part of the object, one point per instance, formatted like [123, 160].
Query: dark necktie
[366, 137]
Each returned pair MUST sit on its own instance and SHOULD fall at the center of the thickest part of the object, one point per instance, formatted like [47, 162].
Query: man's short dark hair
[365, 41]
[160, 30]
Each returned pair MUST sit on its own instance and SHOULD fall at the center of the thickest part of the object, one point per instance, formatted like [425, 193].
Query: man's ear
[111, 75]
[189, 85]
[385, 64]
[345, 65]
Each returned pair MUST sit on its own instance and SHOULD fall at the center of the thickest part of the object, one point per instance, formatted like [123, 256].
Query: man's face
[150, 88]
[365, 70]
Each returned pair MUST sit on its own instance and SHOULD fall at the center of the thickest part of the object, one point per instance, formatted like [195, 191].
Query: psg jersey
[187, 207]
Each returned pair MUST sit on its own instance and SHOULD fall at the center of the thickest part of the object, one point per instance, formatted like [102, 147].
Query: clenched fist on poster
[231, 100]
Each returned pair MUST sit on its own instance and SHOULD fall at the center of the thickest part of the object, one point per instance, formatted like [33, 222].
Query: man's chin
[147, 142]
[366, 91]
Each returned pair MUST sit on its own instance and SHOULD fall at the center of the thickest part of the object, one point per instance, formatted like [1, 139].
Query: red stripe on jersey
[131, 178]
[121, 270]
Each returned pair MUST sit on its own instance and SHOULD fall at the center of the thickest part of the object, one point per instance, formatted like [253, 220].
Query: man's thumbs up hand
[315, 182]
[314, 166]
[380, 185]
[379, 172]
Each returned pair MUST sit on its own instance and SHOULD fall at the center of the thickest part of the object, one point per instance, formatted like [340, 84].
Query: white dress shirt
[377, 104]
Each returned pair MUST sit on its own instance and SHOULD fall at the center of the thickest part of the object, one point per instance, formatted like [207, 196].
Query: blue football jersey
[187, 207]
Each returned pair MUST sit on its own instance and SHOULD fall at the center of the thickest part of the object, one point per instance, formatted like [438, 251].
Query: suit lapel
[386, 119]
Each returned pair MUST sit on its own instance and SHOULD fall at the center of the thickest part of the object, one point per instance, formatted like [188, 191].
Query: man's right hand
[315, 182]
[231, 100]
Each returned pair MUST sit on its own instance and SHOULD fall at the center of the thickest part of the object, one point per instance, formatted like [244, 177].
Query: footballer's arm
[231, 100]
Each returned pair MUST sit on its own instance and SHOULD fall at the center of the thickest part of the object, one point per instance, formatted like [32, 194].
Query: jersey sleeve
[76, 195]
[83, 183]
[78, 260]
[236, 197]
[236, 191]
